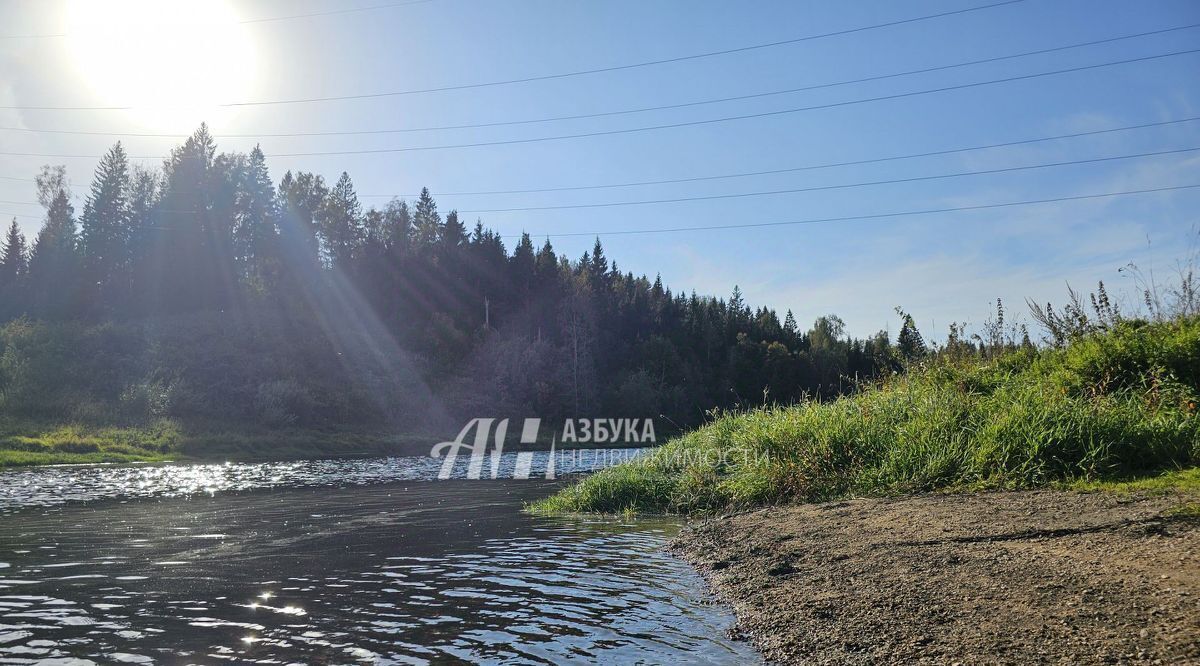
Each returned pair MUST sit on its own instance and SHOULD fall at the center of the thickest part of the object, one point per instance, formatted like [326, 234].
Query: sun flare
[172, 61]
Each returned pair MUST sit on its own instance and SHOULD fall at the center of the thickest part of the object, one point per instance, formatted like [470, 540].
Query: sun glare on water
[173, 61]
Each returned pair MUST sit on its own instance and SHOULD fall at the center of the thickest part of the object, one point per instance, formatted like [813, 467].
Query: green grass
[1182, 482]
[1185, 480]
[25, 443]
[31, 443]
[1107, 407]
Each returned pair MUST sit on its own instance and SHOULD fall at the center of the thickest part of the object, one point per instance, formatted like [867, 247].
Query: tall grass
[1110, 404]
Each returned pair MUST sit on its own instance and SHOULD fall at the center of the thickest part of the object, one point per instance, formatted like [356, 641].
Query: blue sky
[942, 268]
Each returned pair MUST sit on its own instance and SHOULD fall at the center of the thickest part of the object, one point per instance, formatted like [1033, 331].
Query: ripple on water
[56, 485]
[346, 572]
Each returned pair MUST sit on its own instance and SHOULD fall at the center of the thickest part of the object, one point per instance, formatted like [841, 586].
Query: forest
[204, 291]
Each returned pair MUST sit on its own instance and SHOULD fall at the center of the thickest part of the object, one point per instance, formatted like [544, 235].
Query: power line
[847, 218]
[911, 179]
[650, 128]
[809, 167]
[875, 216]
[827, 165]
[602, 114]
[265, 19]
[842, 186]
[563, 75]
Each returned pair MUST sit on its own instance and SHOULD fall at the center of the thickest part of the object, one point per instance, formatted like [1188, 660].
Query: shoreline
[26, 445]
[1011, 576]
[36, 444]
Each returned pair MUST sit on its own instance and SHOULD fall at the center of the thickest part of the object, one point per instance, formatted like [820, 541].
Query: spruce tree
[14, 260]
[188, 269]
[596, 267]
[546, 266]
[300, 197]
[791, 331]
[13, 266]
[909, 341]
[523, 261]
[105, 226]
[340, 222]
[145, 188]
[453, 232]
[397, 226]
[254, 218]
[426, 221]
[737, 312]
[54, 265]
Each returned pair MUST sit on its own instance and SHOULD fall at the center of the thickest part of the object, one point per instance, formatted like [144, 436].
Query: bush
[282, 402]
[203, 368]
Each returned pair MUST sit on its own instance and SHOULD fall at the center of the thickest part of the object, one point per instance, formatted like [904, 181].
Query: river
[332, 562]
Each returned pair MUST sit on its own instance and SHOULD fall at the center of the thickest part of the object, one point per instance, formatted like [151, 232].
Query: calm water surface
[333, 562]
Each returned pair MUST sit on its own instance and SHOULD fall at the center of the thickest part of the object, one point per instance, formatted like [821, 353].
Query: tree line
[203, 289]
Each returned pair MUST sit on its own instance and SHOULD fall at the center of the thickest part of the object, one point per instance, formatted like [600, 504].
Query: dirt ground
[1006, 577]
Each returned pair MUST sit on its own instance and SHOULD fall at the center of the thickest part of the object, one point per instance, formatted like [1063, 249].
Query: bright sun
[174, 61]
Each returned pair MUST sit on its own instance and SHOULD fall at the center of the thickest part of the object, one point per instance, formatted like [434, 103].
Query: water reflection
[393, 573]
[51, 486]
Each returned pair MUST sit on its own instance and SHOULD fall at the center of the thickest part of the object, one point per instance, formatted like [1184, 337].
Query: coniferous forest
[205, 291]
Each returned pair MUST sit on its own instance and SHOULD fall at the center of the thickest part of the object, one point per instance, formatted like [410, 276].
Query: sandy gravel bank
[1016, 577]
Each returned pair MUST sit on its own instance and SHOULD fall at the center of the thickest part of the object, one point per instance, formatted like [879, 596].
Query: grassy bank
[39, 444]
[1110, 406]
[29, 443]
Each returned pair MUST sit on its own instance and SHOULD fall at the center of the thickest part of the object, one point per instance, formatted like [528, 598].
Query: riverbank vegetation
[25, 443]
[1111, 397]
[203, 292]
[261, 320]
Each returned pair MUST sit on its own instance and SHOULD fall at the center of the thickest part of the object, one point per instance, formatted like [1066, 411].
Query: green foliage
[31, 443]
[24, 443]
[201, 291]
[260, 370]
[1111, 404]
[1186, 480]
